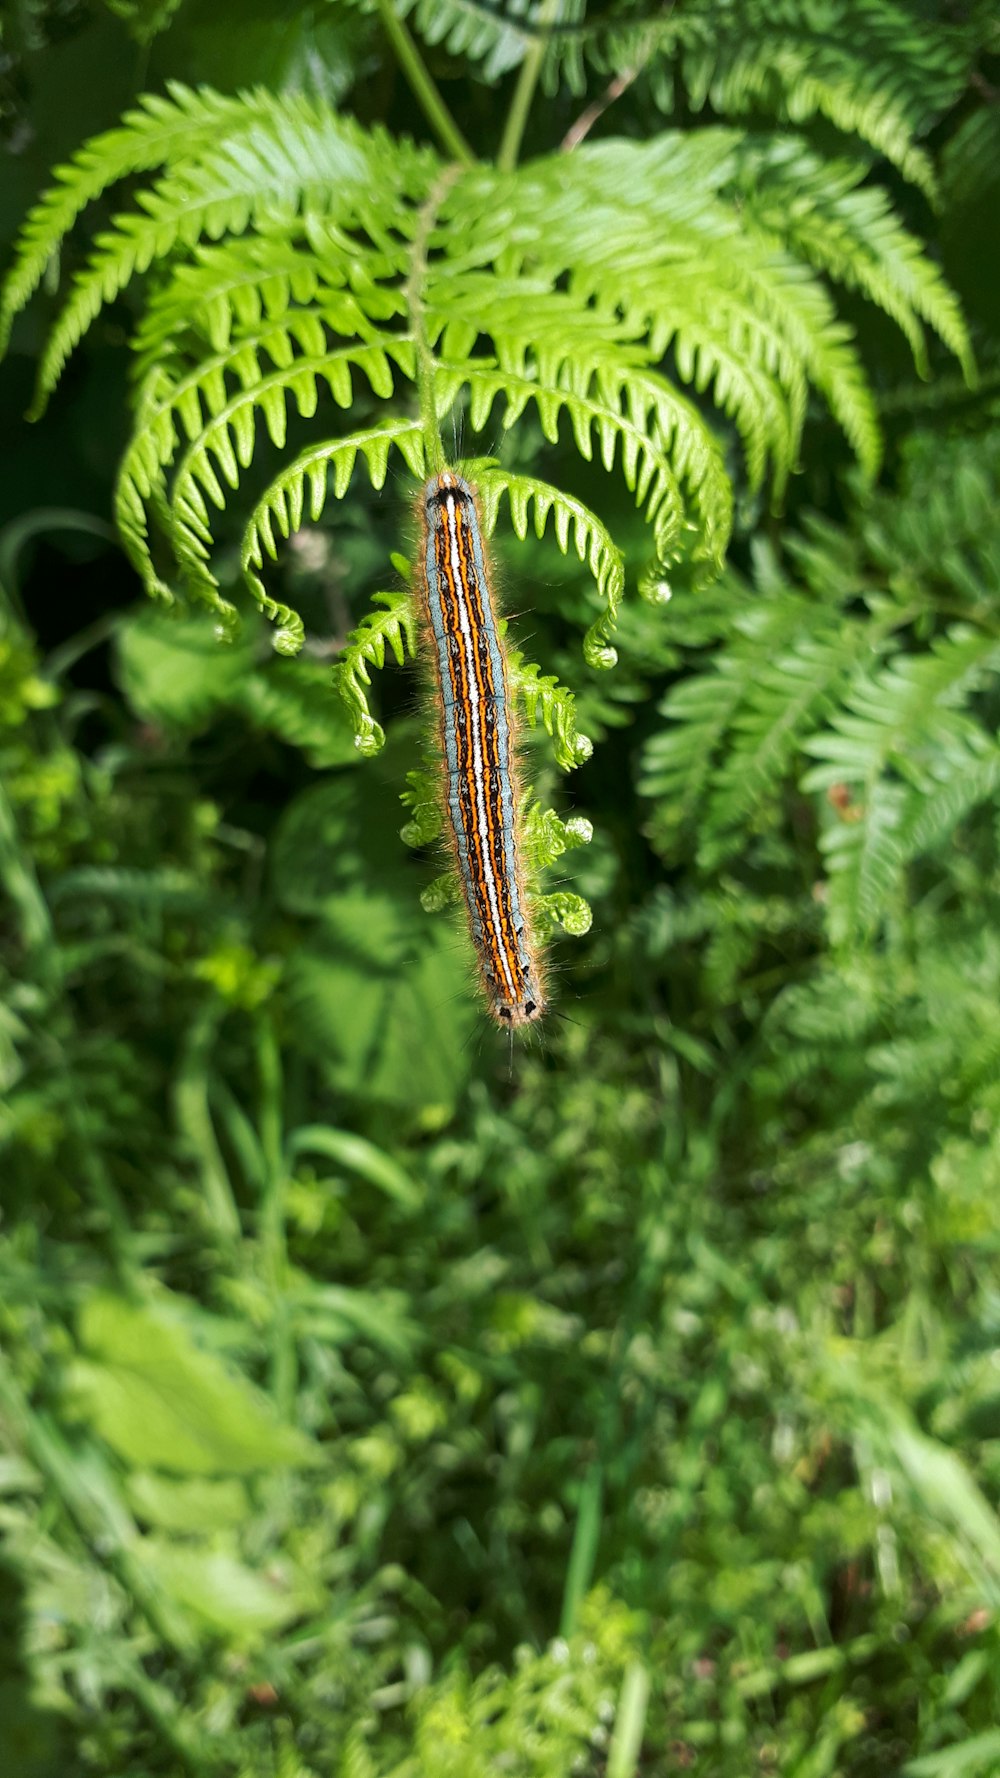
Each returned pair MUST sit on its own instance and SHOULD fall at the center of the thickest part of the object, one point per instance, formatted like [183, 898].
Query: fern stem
[614, 90]
[524, 91]
[434, 456]
[426, 93]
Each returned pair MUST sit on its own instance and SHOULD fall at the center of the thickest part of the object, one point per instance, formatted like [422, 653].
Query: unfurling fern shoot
[481, 794]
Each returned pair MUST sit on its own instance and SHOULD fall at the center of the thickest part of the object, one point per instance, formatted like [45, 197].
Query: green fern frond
[781, 704]
[591, 540]
[542, 696]
[971, 775]
[282, 503]
[620, 289]
[898, 751]
[581, 300]
[145, 18]
[896, 717]
[874, 69]
[220, 421]
[562, 909]
[153, 135]
[849, 231]
[970, 163]
[422, 797]
[968, 779]
[443, 892]
[395, 627]
[663, 222]
[497, 40]
[645, 464]
[611, 390]
[864, 860]
[227, 441]
[547, 838]
[871, 67]
[896, 729]
[614, 392]
[281, 167]
[233, 288]
[734, 730]
[677, 763]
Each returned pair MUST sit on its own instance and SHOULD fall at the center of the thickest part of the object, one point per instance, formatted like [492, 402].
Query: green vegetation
[375, 1401]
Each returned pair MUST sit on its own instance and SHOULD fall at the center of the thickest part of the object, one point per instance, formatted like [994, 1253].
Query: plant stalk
[433, 448]
[426, 93]
[524, 92]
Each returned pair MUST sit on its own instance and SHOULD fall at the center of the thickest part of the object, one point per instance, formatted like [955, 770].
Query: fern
[144, 18]
[306, 266]
[970, 167]
[497, 39]
[849, 231]
[423, 799]
[327, 261]
[151, 136]
[734, 731]
[582, 353]
[591, 539]
[899, 751]
[395, 627]
[873, 70]
[543, 697]
[894, 726]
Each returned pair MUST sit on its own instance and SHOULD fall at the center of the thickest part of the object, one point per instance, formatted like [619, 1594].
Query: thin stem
[614, 90]
[194, 1120]
[524, 91]
[273, 1240]
[589, 118]
[426, 93]
[583, 1553]
[414, 293]
[17, 876]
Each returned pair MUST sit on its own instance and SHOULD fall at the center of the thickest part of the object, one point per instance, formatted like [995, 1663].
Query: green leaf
[200, 1504]
[979, 1754]
[397, 978]
[230, 1599]
[160, 1400]
[360, 1157]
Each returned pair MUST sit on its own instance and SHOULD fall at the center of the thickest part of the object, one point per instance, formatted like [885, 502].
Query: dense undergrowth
[375, 1403]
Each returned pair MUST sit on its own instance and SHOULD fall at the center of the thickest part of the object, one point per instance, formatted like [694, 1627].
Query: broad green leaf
[378, 977]
[201, 1504]
[162, 1401]
[228, 1597]
[979, 1754]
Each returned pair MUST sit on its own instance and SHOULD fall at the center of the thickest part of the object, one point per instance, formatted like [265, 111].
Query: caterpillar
[481, 792]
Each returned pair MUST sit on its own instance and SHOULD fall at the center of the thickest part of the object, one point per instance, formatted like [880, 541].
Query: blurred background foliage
[372, 1404]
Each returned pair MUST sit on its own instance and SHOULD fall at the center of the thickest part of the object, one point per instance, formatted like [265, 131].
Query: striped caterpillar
[481, 795]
